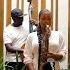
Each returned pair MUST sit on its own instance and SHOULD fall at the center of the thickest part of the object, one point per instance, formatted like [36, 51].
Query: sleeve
[62, 49]
[7, 37]
[28, 51]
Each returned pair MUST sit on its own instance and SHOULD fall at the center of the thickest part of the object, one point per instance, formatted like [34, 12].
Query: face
[18, 21]
[45, 19]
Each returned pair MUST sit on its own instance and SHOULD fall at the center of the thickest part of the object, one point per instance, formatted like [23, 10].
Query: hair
[40, 13]
[47, 11]
[39, 41]
[39, 32]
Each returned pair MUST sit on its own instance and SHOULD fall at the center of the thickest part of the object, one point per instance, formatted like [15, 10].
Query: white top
[56, 45]
[17, 36]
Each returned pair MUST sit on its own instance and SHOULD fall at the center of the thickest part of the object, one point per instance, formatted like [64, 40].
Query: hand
[19, 50]
[55, 56]
[49, 55]
[21, 54]
[22, 57]
[34, 22]
[30, 66]
[22, 48]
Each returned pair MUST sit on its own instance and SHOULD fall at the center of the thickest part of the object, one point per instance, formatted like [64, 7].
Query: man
[14, 37]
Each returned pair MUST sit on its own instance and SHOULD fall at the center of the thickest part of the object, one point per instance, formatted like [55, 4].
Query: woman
[44, 46]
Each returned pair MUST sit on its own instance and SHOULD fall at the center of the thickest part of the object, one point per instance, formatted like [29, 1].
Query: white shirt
[56, 45]
[17, 36]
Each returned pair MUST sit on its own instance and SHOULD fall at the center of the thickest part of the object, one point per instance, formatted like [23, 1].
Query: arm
[62, 50]
[55, 56]
[28, 56]
[8, 43]
[10, 48]
[30, 66]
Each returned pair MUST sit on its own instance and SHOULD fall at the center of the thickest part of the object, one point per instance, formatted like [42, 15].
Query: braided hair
[39, 41]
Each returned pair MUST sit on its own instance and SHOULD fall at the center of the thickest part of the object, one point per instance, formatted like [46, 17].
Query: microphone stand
[30, 16]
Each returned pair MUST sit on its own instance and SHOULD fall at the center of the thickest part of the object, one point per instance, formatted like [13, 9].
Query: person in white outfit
[15, 36]
[55, 48]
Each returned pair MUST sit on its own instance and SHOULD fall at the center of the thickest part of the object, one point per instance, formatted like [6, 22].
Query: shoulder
[57, 32]
[8, 29]
[9, 26]
[32, 35]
